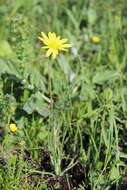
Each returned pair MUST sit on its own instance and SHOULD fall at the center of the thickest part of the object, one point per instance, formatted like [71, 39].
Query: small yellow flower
[13, 127]
[54, 44]
[12, 109]
[95, 39]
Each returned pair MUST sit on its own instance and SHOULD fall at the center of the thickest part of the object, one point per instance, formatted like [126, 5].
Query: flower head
[13, 127]
[54, 44]
[95, 39]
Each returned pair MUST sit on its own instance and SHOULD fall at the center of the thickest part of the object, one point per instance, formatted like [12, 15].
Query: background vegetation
[78, 140]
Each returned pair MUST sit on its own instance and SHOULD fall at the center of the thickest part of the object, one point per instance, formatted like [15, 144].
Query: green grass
[79, 140]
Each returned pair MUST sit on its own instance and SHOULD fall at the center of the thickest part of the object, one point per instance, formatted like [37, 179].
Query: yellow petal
[50, 35]
[64, 40]
[63, 49]
[44, 47]
[54, 54]
[45, 41]
[54, 35]
[44, 35]
[58, 38]
[40, 38]
[49, 52]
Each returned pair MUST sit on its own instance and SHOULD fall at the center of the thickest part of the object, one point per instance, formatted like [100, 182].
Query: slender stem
[50, 80]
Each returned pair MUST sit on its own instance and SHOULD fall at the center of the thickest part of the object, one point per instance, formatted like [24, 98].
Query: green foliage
[71, 113]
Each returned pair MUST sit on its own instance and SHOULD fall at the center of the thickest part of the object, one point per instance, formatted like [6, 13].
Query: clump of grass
[68, 114]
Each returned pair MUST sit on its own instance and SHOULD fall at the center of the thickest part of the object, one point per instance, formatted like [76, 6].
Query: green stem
[50, 81]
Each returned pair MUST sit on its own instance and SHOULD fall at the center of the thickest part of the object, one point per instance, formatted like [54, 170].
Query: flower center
[54, 45]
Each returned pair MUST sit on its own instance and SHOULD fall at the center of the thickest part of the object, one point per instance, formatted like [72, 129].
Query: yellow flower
[95, 39]
[13, 127]
[54, 44]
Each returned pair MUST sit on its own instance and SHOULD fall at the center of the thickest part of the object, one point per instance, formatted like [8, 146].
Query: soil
[71, 179]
